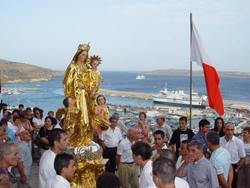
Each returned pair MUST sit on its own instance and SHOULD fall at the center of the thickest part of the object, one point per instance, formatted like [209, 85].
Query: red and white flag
[198, 55]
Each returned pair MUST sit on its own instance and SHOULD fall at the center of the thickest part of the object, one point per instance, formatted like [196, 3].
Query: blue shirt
[10, 135]
[24, 150]
[201, 138]
[221, 160]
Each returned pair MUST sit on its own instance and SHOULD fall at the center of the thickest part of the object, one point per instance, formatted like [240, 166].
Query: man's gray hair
[165, 170]
[213, 138]
[196, 143]
[5, 149]
[229, 123]
[116, 115]
[168, 154]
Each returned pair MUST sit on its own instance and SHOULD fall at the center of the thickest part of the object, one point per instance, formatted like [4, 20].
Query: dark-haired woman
[44, 133]
[219, 126]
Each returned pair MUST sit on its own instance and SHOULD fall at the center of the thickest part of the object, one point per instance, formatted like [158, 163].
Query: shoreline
[28, 81]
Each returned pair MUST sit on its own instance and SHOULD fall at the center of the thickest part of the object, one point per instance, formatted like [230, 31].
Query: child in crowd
[159, 137]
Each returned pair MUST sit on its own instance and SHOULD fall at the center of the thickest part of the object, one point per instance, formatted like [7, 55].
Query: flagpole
[191, 75]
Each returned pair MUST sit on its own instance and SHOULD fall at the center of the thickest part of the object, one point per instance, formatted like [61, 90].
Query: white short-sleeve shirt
[125, 151]
[235, 147]
[58, 182]
[46, 168]
[180, 183]
[111, 137]
[146, 177]
[39, 122]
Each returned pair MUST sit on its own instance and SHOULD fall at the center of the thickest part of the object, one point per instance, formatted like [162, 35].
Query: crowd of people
[213, 157]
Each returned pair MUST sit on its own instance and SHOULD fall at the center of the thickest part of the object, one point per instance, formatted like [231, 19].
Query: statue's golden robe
[71, 124]
[95, 79]
[72, 80]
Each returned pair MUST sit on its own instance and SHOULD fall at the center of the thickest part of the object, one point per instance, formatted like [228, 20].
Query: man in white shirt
[58, 141]
[121, 124]
[235, 147]
[142, 153]
[127, 170]
[164, 174]
[65, 169]
[161, 125]
[110, 139]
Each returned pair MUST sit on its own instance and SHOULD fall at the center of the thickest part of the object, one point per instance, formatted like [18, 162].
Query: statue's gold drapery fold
[72, 80]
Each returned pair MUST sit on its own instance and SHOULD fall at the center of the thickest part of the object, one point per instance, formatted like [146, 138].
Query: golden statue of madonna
[74, 81]
[81, 84]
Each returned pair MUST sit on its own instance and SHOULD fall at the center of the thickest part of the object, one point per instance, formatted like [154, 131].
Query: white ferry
[140, 77]
[179, 98]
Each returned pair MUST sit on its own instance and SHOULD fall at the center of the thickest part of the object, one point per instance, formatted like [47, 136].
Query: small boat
[15, 92]
[140, 77]
[180, 99]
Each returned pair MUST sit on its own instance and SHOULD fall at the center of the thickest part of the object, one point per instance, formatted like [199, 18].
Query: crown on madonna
[84, 47]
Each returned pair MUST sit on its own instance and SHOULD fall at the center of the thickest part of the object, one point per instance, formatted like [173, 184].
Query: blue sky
[128, 34]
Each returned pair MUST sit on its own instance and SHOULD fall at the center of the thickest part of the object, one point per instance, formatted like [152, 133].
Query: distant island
[182, 72]
[14, 72]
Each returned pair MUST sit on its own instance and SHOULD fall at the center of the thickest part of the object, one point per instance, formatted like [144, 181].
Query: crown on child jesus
[95, 57]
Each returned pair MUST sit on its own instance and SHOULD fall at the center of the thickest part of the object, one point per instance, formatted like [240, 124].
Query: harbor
[149, 96]
[128, 97]
[235, 111]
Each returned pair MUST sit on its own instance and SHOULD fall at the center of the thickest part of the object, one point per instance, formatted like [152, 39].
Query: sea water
[48, 95]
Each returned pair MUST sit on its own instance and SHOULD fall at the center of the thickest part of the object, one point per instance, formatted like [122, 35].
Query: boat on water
[11, 91]
[140, 77]
[179, 98]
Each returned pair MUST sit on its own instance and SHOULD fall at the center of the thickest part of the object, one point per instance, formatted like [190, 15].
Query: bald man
[235, 147]
[127, 170]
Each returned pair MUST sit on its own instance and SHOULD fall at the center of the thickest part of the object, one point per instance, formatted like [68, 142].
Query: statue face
[82, 56]
[100, 100]
[72, 102]
[94, 64]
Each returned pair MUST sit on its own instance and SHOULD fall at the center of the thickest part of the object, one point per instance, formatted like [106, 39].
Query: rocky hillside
[21, 72]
